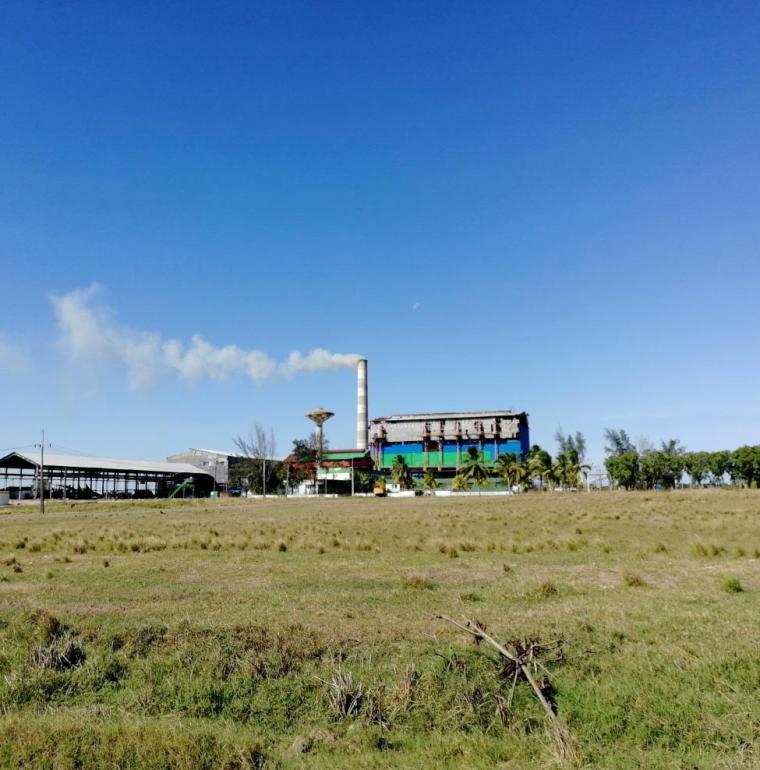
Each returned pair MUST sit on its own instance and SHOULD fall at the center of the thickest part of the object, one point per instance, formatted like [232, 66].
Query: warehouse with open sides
[74, 477]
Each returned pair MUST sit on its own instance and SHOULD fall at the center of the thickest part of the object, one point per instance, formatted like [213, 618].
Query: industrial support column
[362, 422]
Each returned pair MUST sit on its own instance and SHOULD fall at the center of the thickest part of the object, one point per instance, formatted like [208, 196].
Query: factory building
[439, 441]
[215, 463]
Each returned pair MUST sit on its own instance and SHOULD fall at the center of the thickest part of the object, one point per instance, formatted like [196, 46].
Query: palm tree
[507, 466]
[524, 474]
[460, 484]
[400, 472]
[577, 470]
[474, 469]
[429, 481]
[568, 468]
[560, 471]
[540, 463]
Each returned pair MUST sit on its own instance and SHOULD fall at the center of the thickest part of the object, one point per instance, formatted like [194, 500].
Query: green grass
[213, 633]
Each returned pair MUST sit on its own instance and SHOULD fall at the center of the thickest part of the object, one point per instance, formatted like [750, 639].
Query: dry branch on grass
[524, 660]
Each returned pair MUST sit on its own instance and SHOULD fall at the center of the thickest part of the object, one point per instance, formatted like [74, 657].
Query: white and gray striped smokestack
[362, 422]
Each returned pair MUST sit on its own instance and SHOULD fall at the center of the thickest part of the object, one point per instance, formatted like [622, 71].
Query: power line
[15, 448]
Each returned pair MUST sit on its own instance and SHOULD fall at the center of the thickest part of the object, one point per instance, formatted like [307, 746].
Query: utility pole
[352, 477]
[264, 476]
[42, 473]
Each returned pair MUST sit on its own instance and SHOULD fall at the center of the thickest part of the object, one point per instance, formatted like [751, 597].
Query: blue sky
[550, 207]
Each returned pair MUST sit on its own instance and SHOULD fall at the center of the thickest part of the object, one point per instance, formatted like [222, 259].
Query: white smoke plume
[90, 332]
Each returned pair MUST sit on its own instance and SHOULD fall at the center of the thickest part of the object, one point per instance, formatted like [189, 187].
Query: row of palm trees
[566, 470]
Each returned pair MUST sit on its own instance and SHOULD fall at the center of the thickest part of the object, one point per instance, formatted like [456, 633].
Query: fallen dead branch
[525, 661]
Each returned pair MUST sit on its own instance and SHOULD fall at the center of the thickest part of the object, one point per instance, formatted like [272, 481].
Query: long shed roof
[78, 462]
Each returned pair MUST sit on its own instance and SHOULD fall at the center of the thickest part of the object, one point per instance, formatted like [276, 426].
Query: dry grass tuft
[547, 589]
[63, 651]
[732, 585]
[418, 583]
[344, 696]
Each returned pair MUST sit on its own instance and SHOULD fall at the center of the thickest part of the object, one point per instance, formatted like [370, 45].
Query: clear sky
[543, 206]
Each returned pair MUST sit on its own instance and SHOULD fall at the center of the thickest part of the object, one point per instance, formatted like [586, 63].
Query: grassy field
[209, 634]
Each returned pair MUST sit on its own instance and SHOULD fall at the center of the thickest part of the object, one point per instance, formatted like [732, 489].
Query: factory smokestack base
[362, 421]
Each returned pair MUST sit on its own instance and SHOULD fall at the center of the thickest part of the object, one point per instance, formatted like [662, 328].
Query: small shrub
[35, 547]
[548, 588]
[20, 545]
[282, 547]
[632, 580]
[507, 569]
[453, 553]
[106, 563]
[303, 744]
[660, 548]
[418, 583]
[471, 597]
[732, 586]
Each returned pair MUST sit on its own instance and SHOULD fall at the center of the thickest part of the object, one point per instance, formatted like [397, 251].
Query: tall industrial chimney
[362, 422]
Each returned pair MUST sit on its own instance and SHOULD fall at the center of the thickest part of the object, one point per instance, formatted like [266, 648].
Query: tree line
[566, 470]
[645, 467]
[629, 465]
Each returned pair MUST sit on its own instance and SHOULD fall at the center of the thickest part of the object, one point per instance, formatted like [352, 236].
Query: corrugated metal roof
[79, 462]
[214, 452]
[344, 454]
[448, 415]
